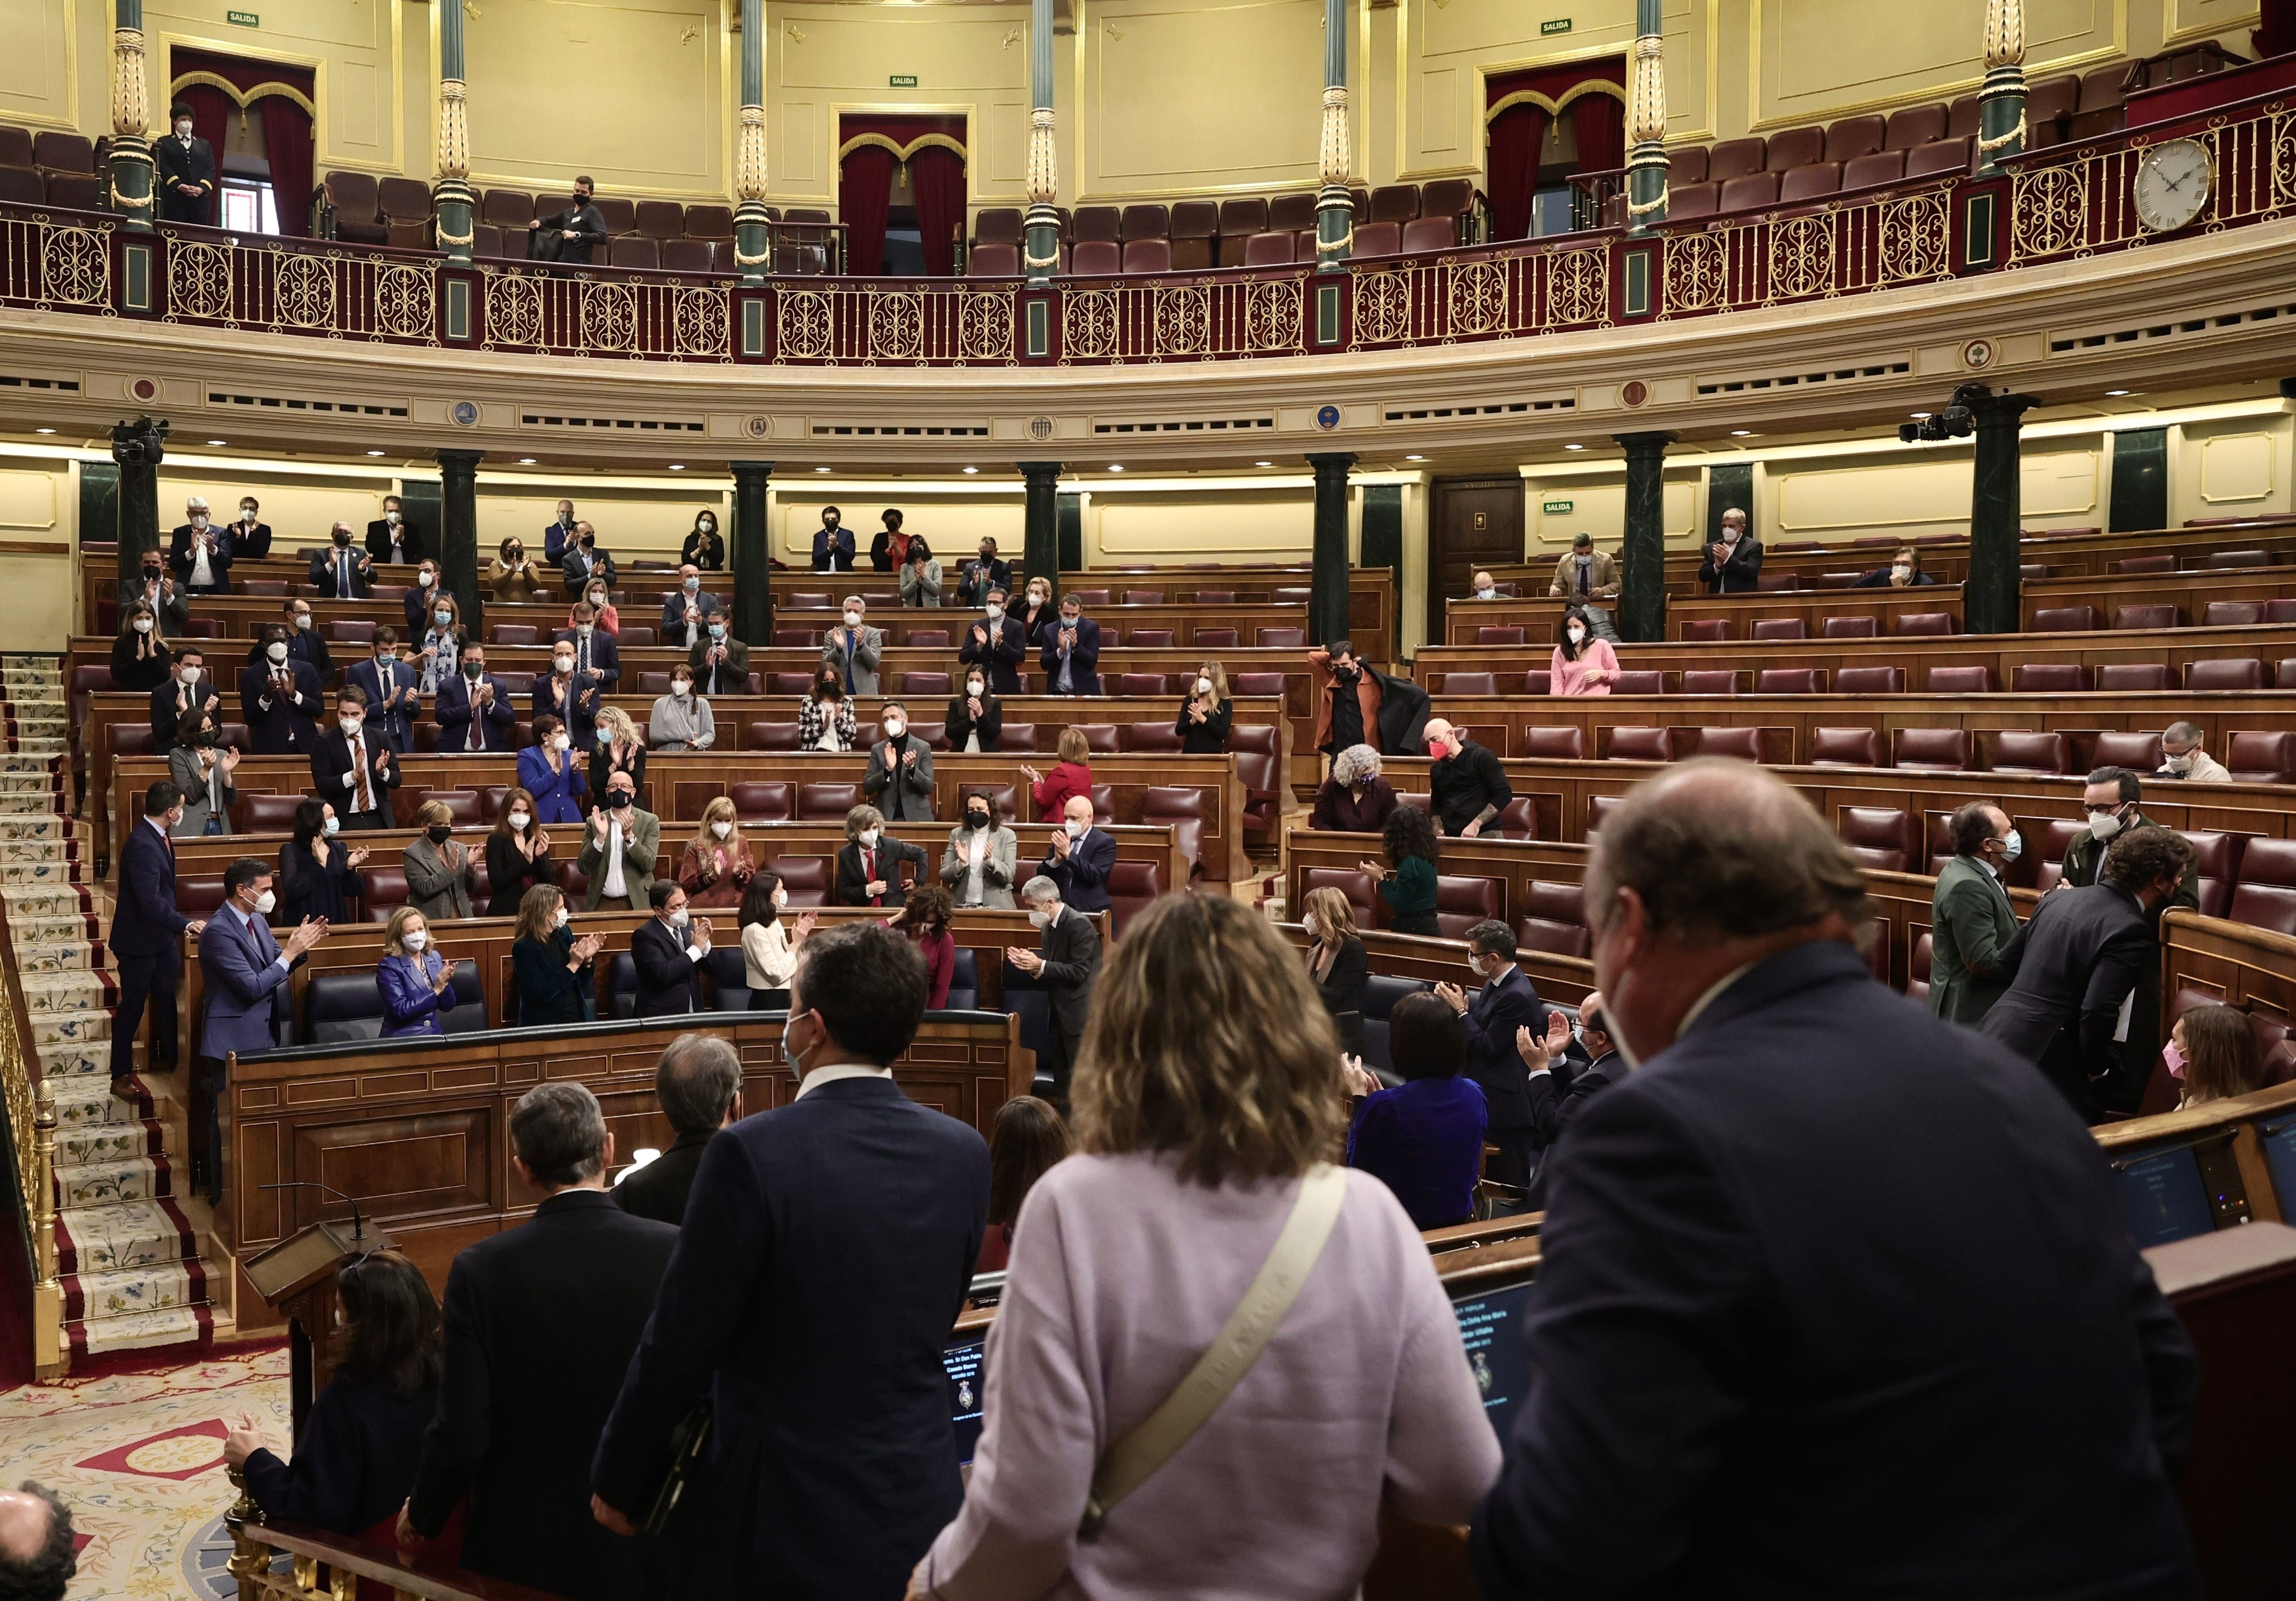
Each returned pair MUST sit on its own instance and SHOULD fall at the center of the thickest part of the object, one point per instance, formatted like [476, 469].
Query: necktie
[343, 576]
[869, 875]
[583, 665]
[356, 748]
[477, 738]
[849, 661]
[1582, 575]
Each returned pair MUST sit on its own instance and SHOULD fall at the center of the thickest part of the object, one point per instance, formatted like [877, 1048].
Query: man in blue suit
[596, 655]
[833, 544]
[826, 1251]
[570, 696]
[147, 934]
[1080, 857]
[560, 535]
[393, 689]
[1070, 657]
[280, 700]
[473, 711]
[584, 562]
[1508, 1001]
[685, 615]
[1837, 1298]
[242, 966]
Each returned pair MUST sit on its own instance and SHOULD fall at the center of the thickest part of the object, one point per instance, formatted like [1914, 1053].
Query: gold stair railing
[30, 1103]
[333, 1564]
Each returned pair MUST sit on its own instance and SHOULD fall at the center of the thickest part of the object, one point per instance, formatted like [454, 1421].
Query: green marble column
[754, 572]
[458, 534]
[1989, 600]
[1040, 548]
[1327, 605]
[450, 189]
[1335, 215]
[1040, 230]
[1641, 576]
[138, 447]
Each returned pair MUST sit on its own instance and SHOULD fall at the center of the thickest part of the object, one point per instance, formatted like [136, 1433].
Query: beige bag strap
[1132, 1460]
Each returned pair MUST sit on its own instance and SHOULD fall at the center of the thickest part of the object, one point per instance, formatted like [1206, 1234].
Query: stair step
[114, 1183]
[135, 1234]
[46, 900]
[95, 1145]
[87, 1102]
[65, 992]
[63, 1060]
[142, 1331]
[72, 1028]
[57, 959]
[130, 1292]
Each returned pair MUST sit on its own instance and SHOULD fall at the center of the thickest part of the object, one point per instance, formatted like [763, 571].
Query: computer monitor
[1490, 1326]
[965, 1361]
[2164, 1195]
[2277, 1137]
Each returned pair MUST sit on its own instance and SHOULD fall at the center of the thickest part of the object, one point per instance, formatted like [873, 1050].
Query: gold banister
[31, 1107]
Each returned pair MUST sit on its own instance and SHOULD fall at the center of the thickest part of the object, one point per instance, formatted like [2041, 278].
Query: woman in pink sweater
[1582, 665]
[1208, 1097]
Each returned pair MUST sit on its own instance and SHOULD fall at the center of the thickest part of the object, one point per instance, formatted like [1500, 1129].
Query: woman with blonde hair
[602, 614]
[1206, 713]
[1072, 775]
[141, 655]
[417, 983]
[2214, 1051]
[440, 880]
[442, 641]
[1209, 1103]
[551, 969]
[620, 750]
[1337, 965]
[716, 866]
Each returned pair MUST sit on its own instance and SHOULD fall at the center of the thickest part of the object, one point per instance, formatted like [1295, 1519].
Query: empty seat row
[1252, 231]
[2026, 678]
[50, 150]
[2046, 619]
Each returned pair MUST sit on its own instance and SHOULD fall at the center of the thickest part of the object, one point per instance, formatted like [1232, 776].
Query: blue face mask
[331, 827]
[717, 631]
[2013, 846]
[443, 617]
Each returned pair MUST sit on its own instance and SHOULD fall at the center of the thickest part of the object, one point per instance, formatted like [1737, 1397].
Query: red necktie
[869, 875]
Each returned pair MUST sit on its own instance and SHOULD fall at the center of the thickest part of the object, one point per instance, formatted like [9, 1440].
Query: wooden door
[1472, 523]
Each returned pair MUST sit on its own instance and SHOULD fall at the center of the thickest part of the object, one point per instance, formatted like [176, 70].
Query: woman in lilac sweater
[1209, 1090]
[1582, 664]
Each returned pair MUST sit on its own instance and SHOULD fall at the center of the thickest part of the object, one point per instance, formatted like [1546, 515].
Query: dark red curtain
[865, 194]
[1512, 171]
[937, 174]
[1601, 124]
[2277, 34]
[287, 145]
[211, 111]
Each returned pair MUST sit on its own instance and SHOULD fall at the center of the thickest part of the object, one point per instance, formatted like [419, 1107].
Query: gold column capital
[750, 155]
[2005, 33]
[1335, 159]
[454, 130]
[130, 100]
[1043, 169]
[1646, 91]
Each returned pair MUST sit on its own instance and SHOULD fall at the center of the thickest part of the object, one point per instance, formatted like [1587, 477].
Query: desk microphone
[358, 1228]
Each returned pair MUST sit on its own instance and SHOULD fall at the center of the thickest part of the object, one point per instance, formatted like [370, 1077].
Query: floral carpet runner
[127, 1251]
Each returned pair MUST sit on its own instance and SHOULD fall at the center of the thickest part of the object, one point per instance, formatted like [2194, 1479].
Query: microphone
[358, 1228]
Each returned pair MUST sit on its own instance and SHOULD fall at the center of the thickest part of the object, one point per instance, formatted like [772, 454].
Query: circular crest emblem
[143, 388]
[1977, 354]
[760, 426]
[1633, 392]
[466, 413]
[1328, 417]
[1040, 428]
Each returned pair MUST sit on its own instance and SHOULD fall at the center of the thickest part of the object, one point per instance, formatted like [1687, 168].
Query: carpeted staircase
[127, 1247]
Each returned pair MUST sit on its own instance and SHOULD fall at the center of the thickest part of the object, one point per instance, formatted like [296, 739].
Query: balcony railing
[2055, 204]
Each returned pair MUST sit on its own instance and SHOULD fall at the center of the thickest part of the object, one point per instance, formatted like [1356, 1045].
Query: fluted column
[130, 157]
[752, 241]
[450, 190]
[1646, 166]
[1040, 548]
[1041, 230]
[2001, 103]
[1335, 218]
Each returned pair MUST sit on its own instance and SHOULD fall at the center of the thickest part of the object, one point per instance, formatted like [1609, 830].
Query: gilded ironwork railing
[2087, 201]
[575, 311]
[1402, 301]
[299, 286]
[30, 1103]
[889, 321]
[56, 261]
[1173, 318]
[1835, 247]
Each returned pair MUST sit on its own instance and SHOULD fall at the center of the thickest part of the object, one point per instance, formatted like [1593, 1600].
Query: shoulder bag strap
[1131, 1461]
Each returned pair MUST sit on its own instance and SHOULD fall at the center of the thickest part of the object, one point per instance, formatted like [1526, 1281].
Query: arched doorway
[257, 117]
[901, 193]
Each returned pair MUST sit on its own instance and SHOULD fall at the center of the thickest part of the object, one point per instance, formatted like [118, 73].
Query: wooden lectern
[297, 1276]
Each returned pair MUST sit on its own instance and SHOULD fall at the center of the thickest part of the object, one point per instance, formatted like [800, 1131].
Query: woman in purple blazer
[417, 983]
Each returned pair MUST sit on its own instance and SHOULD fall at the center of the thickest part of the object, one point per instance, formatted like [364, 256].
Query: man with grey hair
[699, 1083]
[37, 1559]
[1837, 1299]
[1734, 562]
[199, 552]
[2182, 757]
[541, 1324]
[1064, 964]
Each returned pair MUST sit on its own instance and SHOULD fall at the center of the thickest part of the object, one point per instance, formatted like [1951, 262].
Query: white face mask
[708, 526]
[564, 663]
[868, 837]
[1039, 918]
[264, 903]
[2105, 825]
[2175, 763]
[559, 921]
[1574, 634]
[780, 897]
[1308, 922]
[683, 688]
[680, 917]
[1486, 595]
[518, 820]
[189, 677]
[896, 729]
[142, 625]
[414, 939]
[853, 619]
[277, 650]
[199, 519]
[692, 584]
[598, 599]
[721, 829]
[1203, 686]
[996, 614]
[1901, 572]
[428, 579]
[1076, 828]
[247, 514]
[561, 742]
[184, 130]
[391, 518]
[351, 725]
[331, 827]
[974, 688]
[302, 622]
[583, 629]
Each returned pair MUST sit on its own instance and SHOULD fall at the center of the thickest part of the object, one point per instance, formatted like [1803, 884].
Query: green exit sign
[242, 18]
[1558, 25]
[902, 80]
[1558, 508]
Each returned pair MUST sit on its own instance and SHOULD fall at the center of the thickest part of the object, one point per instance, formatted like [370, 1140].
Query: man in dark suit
[1079, 858]
[559, 537]
[668, 951]
[833, 1242]
[341, 572]
[1566, 1070]
[1733, 564]
[185, 182]
[1066, 962]
[472, 710]
[199, 552]
[541, 1324]
[251, 535]
[305, 643]
[1070, 657]
[352, 767]
[580, 228]
[147, 934]
[833, 544]
[596, 655]
[899, 782]
[157, 588]
[2076, 1001]
[868, 864]
[242, 968]
[698, 1082]
[1971, 919]
[1836, 1299]
[998, 643]
[569, 696]
[280, 700]
[173, 699]
[389, 537]
[720, 662]
[584, 562]
[2111, 798]
[1506, 1003]
[422, 599]
[392, 687]
[685, 615]
[982, 574]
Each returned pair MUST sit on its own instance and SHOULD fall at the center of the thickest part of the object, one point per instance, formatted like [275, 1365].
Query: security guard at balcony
[187, 169]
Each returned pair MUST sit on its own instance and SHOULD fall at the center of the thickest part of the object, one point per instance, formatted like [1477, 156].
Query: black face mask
[151, 572]
[620, 798]
[341, 539]
[204, 739]
[1345, 674]
[588, 543]
[580, 200]
[438, 834]
[979, 820]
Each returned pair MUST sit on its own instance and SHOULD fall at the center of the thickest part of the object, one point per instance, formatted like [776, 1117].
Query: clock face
[2172, 185]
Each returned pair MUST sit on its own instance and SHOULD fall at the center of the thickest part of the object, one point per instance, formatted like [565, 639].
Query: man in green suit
[1971, 919]
[2110, 797]
[618, 851]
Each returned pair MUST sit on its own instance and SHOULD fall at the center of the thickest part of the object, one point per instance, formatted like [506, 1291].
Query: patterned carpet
[138, 1455]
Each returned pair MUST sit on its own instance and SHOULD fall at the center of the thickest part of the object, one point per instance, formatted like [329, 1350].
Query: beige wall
[2239, 467]
[354, 50]
[39, 503]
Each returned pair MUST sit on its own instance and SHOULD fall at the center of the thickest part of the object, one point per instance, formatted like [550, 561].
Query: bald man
[36, 1559]
[1837, 1299]
[1470, 788]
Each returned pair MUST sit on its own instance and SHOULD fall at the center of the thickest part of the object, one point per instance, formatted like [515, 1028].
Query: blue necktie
[849, 661]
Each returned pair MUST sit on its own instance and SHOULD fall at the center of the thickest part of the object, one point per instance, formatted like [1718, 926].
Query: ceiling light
[215, 442]
[1415, 458]
[525, 460]
[1116, 466]
[44, 430]
[374, 452]
[970, 471]
[2118, 392]
[1741, 433]
[1574, 448]
[673, 466]
[821, 469]
[1263, 463]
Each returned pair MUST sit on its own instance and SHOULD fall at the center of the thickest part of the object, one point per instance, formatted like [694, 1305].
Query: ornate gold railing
[31, 1105]
[332, 1564]
[2085, 201]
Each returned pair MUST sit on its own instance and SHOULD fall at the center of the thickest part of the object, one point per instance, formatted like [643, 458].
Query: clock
[2172, 184]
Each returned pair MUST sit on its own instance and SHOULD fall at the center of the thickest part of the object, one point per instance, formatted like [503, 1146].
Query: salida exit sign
[1557, 508]
[1558, 25]
[902, 80]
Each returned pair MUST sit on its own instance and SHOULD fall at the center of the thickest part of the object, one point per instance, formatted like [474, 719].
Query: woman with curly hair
[1407, 882]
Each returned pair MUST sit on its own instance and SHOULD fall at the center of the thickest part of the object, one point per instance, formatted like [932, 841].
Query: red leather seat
[1149, 736]
[633, 250]
[1097, 225]
[760, 801]
[2218, 857]
[1257, 683]
[1918, 968]
[382, 890]
[1931, 749]
[2149, 615]
[1140, 683]
[807, 878]
[1018, 737]
[1708, 681]
[1144, 597]
[1962, 681]
[1641, 745]
[1598, 807]
[2019, 750]
[1686, 165]
[661, 219]
[1498, 636]
[993, 261]
[1147, 255]
[1282, 638]
[1221, 638]
[265, 813]
[1734, 159]
[1556, 939]
[1471, 683]
[1923, 623]
[1639, 681]
[1883, 838]
[1146, 221]
[2231, 614]
[1267, 250]
[770, 736]
[1706, 628]
[2260, 758]
[1855, 136]
[2224, 558]
[1870, 681]
[2145, 564]
[1752, 192]
[1556, 744]
[1789, 680]
[1744, 744]
[2265, 896]
[1097, 258]
[512, 633]
[2122, 677]
[1538, 681]
[1780, 628]
[1395, 203]
[1769, 582]
[1939, 158]
[1150, 637]
[2280, 611]
[1868, 172]
[1356, 886]
[826, 802]
[1099, 738]
[2048, 678]
[1847, 747]
[2065, 619]
[1424, 235]
[2119, 748]
[2224, 672]
[803, 638]
[461, 804]
[1911, 127]
[1690, 201]
[1790, 148]
[1462, 902]
[1811, 183]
